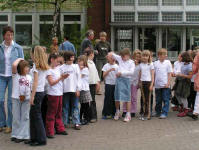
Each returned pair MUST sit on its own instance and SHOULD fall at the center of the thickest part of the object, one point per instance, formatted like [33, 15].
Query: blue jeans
[162, 95]
[4, 83]
[70, 102]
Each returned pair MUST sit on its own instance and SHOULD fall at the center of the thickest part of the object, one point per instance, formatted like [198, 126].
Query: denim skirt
[123, 89]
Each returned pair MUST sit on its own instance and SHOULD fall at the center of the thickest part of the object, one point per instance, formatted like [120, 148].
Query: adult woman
[9, 52]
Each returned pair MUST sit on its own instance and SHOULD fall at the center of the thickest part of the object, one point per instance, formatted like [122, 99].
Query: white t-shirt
[93, 74]
[125, 67]
[161, 73]
[177, 67]
[84, 79]
[72, 83]
[146, 71]
[21, 86]
[135, 76]
[57, 89]
[41, 78]
[111, 77]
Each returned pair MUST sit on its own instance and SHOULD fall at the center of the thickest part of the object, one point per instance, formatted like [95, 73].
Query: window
[192, 2]
[124, 16]
[148, 2]
[192, 17]
[72, 18]
[1, 30]
[171, 2]
[3, 18]
[45, 33]
[174, 17]
[147, 16]
[124, 39]
[23, 29]
[124, 2]
[46, 18]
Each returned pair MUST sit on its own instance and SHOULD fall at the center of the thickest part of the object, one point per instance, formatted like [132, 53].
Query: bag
[92, 110]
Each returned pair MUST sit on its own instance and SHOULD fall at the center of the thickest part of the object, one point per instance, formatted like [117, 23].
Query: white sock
[117, 111]
[128, 114]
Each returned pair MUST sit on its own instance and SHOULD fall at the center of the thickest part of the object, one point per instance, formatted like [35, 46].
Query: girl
[134, 83]
[109, 74]
[85, 96]
[20, 95]
[183, 83]
[122, 86]
[54, 92]
[93, 83]
[40, 67]
[146, 80]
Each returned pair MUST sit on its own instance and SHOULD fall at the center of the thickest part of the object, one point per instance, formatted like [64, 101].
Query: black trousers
[37, 130]
[109, 101]
[192, 96]
[84, 111]
[44, 108]
[92, 108]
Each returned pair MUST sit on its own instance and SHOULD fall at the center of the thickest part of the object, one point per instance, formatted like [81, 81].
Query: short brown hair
[68, 55]
[103, 34]
[125, 51]
[6, 29]
[162, 51]
[88, 52]
[20, 68]
[186, 57]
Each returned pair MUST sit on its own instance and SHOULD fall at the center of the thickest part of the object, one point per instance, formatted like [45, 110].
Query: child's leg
[93, 114]
[65, 113]
[146, 95]
[24, 125]
[16, 118]
[196, 106]
[81, 110]
[113, 109]
[134, 98]
[58, 118]
[86, 111]
[166, 97]
[107, 101]
[158, 96]
[75, 109]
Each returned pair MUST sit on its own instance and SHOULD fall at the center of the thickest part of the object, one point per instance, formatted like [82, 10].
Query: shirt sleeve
[169, 67]
[117, 57]
[78, 78]
[34, 69]
[152, 66]
[104, 68]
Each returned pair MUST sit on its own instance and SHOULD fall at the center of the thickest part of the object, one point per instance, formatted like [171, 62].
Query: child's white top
[93, 74]
[125, 67]
[72, 83]
[135, 76]
[57, 89]
[177, 67]
[84, 79]
[146, 71]
[161, 73]
[21, 86]
[111, 77]
[41, 78]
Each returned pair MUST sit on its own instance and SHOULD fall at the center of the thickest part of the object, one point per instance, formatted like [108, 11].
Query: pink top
[195, 71]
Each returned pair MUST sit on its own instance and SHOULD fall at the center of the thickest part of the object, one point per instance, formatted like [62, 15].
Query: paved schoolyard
[169, 134]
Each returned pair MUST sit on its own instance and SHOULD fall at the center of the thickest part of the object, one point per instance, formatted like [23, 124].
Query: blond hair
[162, 51]
[135, 52]
[103, 34]
[147, 53]
[40, 58]
[125, 51]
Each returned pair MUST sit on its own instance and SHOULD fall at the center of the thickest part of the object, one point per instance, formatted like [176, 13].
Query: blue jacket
[16, 52]
[67, 46]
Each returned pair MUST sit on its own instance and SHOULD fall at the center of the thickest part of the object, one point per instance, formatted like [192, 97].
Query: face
[138, 57]
[26, 70]
[8, 37]
[103, 38]
[91, 36]
[145, 59]
[55, 41]
[179, 58]
[162, 57]
[61, 60]
[109, 59]
[80, 63]
[125, 57]
[54, 62]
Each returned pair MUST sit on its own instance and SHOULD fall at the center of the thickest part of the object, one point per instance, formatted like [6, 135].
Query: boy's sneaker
[117, 116]
[162, 116]
[127, 119]
[141, 117]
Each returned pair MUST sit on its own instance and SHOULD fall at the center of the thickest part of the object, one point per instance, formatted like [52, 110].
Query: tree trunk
[56, 21]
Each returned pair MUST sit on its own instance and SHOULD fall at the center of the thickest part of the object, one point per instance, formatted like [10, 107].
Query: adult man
[67, 45]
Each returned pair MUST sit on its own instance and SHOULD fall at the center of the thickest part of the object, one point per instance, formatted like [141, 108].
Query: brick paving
[169, 134]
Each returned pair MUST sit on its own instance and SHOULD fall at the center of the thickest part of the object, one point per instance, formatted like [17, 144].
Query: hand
[112, 69]
[166, 86]
[64, 76]
[97, 87]
[77, 94]
[32, 101]
[151, 88]
[118, 74]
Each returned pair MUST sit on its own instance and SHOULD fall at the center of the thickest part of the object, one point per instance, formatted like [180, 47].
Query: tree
[16, 5]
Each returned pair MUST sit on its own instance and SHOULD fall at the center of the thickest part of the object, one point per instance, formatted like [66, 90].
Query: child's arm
[53, 82]
[115, 56]
[152, 80]
[105, 73]
[189, 76]
[15, 64]
[34, 87]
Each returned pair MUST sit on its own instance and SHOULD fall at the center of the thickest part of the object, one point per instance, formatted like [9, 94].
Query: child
[123, 85]
[109, 74]
[72, 87]
[134, 84]
[54, 92]
[40, 67]
[183, 83]
[93, 83]
[146, 84]
[20, 103]
[85, 96]
[163, 70]
[61, 58]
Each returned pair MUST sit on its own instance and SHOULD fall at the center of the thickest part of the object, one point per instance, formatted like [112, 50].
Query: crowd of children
[66, 82]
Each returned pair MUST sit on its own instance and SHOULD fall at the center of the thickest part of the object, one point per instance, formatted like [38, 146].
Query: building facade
[153, 24]
[34, 25]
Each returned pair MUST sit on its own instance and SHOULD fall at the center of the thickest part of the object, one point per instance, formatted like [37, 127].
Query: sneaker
[190, 114]
[194, 117]
[93, 120]
[141, 117]
[19, 140]
[62, 133]
[8, 130]
[84, 122]
[162, 116]
[117, 116]
[155, 114]
[123, 114]
[13, 139]
[50, 136]
[109, 117]
[104, 117]
[144, 118]
[183, 114]
[127, 119]
[77, 127]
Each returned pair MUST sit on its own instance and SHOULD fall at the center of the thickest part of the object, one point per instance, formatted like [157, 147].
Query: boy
[163, 70]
